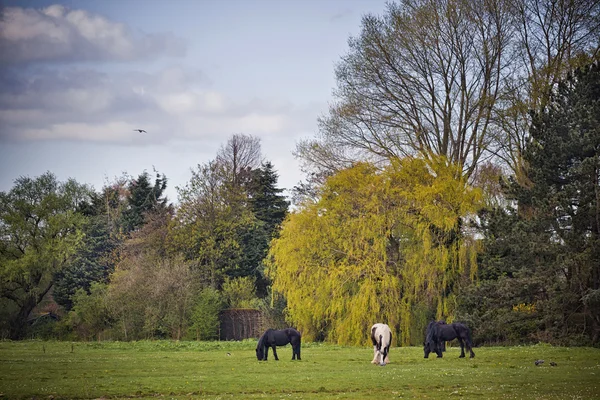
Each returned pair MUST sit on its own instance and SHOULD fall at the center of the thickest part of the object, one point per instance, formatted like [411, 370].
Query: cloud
[111, 132]
[57, 33]
[173, 103]
[341, 15]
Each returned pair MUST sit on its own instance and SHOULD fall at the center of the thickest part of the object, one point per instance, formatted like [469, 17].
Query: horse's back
[382, 330]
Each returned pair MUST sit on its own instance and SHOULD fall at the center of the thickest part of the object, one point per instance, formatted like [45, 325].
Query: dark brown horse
[273, 338]
[439, 332]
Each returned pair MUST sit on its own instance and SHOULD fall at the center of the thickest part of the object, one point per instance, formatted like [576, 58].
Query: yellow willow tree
[376, 246]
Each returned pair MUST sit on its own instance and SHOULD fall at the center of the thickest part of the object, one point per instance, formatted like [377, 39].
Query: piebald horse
[381, 336]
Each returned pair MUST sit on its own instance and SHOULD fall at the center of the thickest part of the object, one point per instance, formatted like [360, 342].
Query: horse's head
[427, 349]
[429, 345]
[260, 353]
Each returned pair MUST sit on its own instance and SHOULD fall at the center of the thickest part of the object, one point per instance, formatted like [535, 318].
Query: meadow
[222, 370]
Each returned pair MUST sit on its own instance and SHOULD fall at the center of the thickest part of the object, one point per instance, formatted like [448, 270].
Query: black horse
[439, 332]
[273, 338]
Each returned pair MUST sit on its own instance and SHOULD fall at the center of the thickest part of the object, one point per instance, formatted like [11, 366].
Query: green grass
[53, 370]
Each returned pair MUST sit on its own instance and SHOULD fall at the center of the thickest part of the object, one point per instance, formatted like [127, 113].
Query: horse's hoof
[382, 365]
[461, 356]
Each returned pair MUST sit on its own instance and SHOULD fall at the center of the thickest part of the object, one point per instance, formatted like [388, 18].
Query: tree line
[456, 175]
[125, 263]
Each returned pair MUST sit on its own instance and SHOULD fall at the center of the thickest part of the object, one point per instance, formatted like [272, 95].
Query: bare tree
[422, 80]
[239, 156]
[552, 37]
[455, 78]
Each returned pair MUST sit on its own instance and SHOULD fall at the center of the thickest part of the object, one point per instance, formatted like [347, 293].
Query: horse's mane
[430, 332]
[262, 339]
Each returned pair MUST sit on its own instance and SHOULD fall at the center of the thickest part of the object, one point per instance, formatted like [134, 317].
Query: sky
[77, 77]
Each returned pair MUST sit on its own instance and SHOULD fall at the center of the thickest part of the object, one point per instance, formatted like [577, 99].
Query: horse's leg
[462, 347]
[297, 351]
[469, 347]
[266, 349]
[375, 356]
[438, 349]
[386, 358]
[275, 352]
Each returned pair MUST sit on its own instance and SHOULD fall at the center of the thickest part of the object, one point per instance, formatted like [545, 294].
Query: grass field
[181, 370]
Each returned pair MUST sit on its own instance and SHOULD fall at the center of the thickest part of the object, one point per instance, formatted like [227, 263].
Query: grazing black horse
[439, 332]
[273, 338]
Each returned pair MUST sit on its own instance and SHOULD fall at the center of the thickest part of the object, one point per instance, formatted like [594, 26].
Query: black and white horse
[381, 336]
[273, 338]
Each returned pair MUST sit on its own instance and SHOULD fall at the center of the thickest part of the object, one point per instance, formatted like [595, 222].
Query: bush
[205, 315]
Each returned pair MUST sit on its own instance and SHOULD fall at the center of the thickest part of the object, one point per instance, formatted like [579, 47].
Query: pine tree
[267, 201]
[143, 197]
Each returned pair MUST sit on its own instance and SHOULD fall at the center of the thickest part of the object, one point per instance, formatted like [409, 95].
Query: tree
[422, 80]
[267, 202]
[40, 232]
[216, 226]
[238, 157]
[548, 241]
[205, 315]
[152, 290]
[452, 78]
[386, 243]
[211, 221]
[269, 207]
[143, 198]
[550, 39]
[90, 316]
[564, 168]
[93, 262]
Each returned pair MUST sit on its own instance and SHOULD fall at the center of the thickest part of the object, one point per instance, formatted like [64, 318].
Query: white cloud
[111, 132]
[172, 103]
[57, 33]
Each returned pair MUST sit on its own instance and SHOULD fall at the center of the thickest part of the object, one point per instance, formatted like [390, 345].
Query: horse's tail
[470, 336]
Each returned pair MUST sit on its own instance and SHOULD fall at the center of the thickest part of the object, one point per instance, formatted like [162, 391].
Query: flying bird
[140, 130]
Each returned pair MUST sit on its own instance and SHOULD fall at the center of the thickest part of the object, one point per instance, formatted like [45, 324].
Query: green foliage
[40, 231]
[212, 221]
[240, 293]
[143, 198]
[90, 314]
[266, 200]
[151, 291]
[545, 252]
[377, 243]
[228, 214]
[93, 263]
[270, 208]
[205, 315]
[152, 298]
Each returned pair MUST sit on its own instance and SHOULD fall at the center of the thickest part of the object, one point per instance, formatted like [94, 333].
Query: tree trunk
[18, 325]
